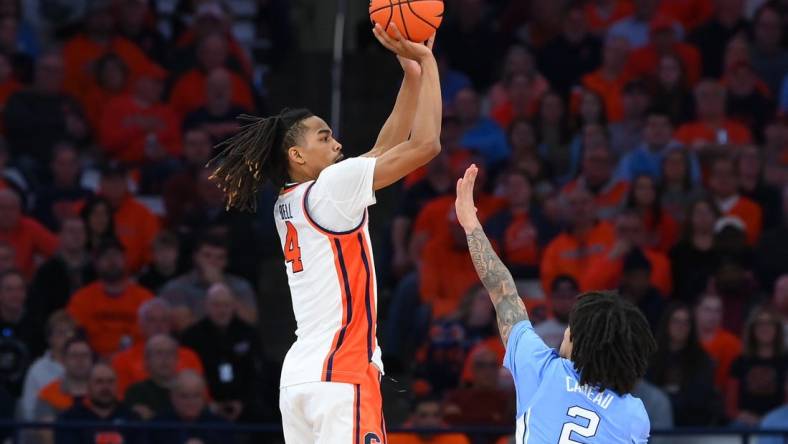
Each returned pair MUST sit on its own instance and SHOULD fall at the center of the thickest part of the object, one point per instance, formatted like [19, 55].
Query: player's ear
[294, 155]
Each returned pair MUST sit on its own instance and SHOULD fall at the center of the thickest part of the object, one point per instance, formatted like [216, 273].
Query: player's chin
[339, 158]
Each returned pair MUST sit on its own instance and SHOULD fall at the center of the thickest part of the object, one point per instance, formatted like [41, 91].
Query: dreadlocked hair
[611, 341]
[258, 152]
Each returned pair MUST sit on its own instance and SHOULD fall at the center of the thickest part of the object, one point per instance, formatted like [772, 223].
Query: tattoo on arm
[498, 281]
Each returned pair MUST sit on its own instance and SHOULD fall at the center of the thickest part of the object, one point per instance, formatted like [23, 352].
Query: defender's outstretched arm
[509, 307]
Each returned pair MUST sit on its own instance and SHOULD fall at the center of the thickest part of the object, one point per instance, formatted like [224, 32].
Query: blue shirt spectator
[784, 95]
[777, 419]
[643, 160]
[480, 133]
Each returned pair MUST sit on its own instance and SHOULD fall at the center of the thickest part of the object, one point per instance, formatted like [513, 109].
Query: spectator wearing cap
[188, 397]
[59, 197]
[628, 133]
[151, 396]
[178, 191]
[135, 225]
[723, 186]
[48, 367]
[635, 286]
[769, 56]
[189, 92]
[21, 338]
[636, 26]
[427, 413]
[38, 117]
[749, 99]
[601, 14]
[573, 53]
[59, 395]
[479, 133]
[68, 270]
[187, 292]
[98, 37]
[722, 346]
[29, 239]
[609, 79]
[606, 270]
[712, 124]
[772, 247]
[648, 157]
[138, 128]
[218, 115]
[237, 373]
[585, 239]
[107, 309]
[644, 61]
[712, 37]
[101, 406]
[154, 318]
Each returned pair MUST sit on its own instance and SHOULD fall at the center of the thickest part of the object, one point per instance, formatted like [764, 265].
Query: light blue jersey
[553, 408]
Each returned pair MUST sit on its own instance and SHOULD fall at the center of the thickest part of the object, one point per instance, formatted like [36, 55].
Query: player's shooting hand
[401, 46]
[464, 205]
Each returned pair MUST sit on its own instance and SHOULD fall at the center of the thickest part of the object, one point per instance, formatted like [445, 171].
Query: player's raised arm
[424, 142]
[398, 126]
[509, 308]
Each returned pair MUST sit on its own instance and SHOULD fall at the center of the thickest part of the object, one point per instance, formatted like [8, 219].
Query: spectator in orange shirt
[112, 79]
[219, 114]
[644, 61]
[600, 14]
[597, 177]
[30, 240]
[604, 272]
[584, 239]
[514, 230]
[154, 318]
[723, 186]
[722, 346]
[59, 395]
[609, 79]
[135, 225]
[690, 13]
[188, 94]
[138, 128]
[519, 102]
[712, 126]
[427, 413]
[97, 38]
[107, 309]
[645, 197]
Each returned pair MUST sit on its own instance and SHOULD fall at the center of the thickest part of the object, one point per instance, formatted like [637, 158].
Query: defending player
[330, 384]
[582, 393]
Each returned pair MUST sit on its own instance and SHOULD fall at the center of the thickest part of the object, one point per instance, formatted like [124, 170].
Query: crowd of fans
[637, 145]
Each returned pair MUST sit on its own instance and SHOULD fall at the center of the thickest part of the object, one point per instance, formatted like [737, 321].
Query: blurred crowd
[637, 145]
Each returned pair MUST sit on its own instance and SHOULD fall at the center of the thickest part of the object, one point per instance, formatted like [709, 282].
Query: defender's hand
[464, 205]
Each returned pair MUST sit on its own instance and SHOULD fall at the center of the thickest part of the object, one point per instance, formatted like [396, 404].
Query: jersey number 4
[584, 431]
[292, 249]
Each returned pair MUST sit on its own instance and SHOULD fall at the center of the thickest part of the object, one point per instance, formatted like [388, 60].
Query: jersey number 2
[569, 427]
[292, 249]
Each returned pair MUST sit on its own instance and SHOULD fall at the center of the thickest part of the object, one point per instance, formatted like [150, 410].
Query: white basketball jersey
[331, 275]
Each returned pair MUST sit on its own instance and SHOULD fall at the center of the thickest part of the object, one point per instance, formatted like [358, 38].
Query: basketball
[416, 20]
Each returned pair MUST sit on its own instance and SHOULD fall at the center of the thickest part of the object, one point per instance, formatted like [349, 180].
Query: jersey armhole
[318, 227]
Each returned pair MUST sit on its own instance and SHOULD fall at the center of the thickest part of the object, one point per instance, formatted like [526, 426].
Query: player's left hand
[464, 205]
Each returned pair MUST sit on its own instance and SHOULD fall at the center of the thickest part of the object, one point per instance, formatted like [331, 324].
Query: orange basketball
[416, 20]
